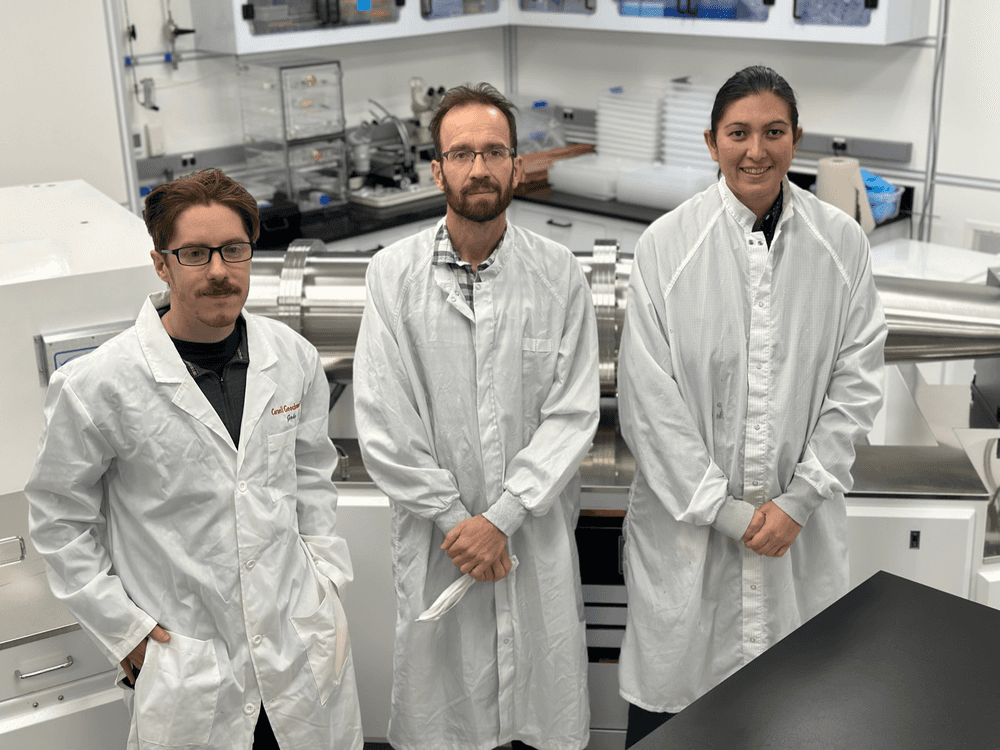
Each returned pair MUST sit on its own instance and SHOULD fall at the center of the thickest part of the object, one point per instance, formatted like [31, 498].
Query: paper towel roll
[839, 182]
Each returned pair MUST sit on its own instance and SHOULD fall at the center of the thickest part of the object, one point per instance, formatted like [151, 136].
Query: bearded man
[476, 399]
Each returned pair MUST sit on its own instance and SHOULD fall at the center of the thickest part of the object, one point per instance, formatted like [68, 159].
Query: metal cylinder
[321, 294]
[939, 320]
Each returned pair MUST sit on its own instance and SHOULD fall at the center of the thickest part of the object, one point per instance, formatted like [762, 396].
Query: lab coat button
[257, 639]
[251, 563]
[756, 426]
[249, 708]
[242, 487]
[761, 304]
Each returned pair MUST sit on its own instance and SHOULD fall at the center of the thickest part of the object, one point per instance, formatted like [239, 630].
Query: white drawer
[35, 657]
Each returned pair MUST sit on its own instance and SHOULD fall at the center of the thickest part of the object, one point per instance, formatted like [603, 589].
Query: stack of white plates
[628, 124]
[687, 114]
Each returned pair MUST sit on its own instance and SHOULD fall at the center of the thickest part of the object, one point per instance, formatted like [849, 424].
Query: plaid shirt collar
[444, 253]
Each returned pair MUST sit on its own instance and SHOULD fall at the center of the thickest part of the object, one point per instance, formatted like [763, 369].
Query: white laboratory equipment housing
[74, 271]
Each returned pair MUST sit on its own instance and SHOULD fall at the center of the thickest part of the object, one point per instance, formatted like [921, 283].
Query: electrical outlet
[188, 160]
[914, 540]
[567, 113]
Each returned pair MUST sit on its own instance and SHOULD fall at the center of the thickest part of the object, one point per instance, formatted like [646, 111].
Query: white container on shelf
[590, 175]
[660, 185]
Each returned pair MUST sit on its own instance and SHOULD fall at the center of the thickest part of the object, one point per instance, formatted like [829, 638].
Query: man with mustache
[182, 498]
[476, 397]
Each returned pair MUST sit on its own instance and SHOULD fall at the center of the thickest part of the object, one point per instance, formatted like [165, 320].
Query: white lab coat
[456, 412]
[745, 375]
[147, 513]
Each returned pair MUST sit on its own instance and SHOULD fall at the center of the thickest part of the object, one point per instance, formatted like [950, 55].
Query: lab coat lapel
[168, 369]
[261, 383]
[444, 277]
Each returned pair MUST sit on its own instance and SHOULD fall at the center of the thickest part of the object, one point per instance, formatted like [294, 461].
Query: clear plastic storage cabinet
[293, 128]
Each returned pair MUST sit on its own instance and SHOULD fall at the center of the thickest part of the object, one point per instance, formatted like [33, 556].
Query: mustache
[479, 183]
[221, 288]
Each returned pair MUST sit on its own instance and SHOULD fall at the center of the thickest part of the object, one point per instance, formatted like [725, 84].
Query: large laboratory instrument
[74, 271]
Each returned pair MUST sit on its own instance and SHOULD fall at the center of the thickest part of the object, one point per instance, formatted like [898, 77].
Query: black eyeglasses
[197, 255]
[492, 156]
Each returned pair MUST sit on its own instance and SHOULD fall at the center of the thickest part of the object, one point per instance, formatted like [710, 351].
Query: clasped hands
[771, 531]
[478, 548]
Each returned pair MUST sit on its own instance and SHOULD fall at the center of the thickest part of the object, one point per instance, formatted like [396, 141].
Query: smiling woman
[754, 134]
[750, 364]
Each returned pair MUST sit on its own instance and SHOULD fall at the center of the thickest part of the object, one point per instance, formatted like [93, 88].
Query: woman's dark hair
[462, 96]
[168, 201]
[757, 79]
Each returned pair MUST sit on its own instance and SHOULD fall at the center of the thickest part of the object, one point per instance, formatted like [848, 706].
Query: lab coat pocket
[326, 640]
[281, 465]
[177, 692]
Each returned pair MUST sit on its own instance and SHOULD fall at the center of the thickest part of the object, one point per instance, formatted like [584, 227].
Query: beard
[480, 207]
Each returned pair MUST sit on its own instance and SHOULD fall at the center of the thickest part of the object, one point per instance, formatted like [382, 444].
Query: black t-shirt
[220, 370]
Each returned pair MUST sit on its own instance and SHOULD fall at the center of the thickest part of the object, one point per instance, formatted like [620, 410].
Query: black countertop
[893, 664]
[884, 471]
[342, 222]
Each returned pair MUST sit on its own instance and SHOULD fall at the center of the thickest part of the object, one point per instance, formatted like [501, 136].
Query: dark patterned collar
[768, 223]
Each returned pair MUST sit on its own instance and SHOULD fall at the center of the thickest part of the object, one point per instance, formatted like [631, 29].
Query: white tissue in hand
[453, 595]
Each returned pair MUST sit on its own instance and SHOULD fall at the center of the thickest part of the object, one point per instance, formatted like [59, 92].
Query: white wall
[66, 128]
[59, 121]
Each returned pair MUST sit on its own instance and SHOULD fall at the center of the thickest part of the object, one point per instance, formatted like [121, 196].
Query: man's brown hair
[463, 96]
[168, 201]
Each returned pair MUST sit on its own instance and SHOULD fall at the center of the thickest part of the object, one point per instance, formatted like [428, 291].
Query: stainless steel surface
[46, 670]
[939, 320]
[603, 287]
[321, 294]
[331, 299]
[939, 472]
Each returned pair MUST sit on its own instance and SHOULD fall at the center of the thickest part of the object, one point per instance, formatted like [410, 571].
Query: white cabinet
[220, 27]
[576, 230]
[364, 519]
[891, 22]
[931, 542]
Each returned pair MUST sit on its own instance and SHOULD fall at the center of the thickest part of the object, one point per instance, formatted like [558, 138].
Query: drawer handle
[552, 222]
[67, 663]
[12, 550]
